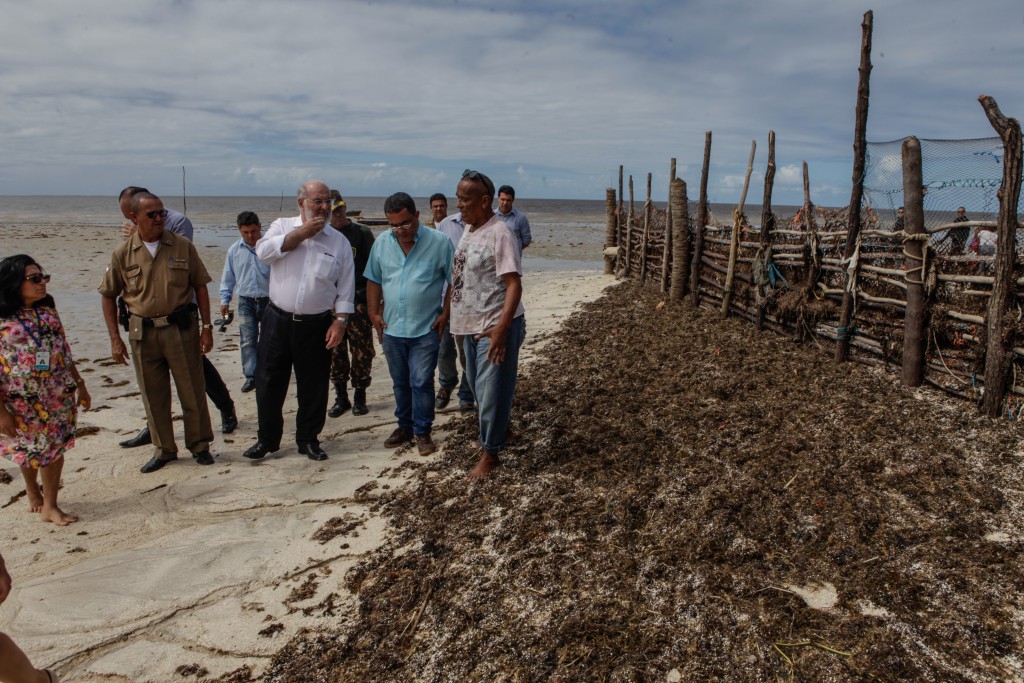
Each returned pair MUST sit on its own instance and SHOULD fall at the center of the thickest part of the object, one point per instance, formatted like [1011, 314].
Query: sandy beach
[206, 568]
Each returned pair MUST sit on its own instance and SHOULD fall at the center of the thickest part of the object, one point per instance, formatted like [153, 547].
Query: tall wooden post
[620, 228]
[609, 229]
[737, 226]
[646, 235]
[629, 230]
[680, 239]
[999, 345]
[914, 265]
[857, 193]
[812, 260]
[667, 254]
[702, 221]
[767, 217]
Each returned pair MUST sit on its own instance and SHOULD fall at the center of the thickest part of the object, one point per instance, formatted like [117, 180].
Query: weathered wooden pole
[680, 240]
[611, 220]
[734, 243]
[702, 221]
[666, 254]
[845, 332]
[767, 221]
[620, 228]
[647, 232]
[999, 345]
[812, 260]
[914, 264]
[629, 230]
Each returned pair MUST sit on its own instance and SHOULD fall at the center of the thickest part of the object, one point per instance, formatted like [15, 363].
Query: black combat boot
[359, 403]
[341, 402]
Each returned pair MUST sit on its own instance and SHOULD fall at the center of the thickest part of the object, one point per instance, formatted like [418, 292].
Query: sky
[253, 97]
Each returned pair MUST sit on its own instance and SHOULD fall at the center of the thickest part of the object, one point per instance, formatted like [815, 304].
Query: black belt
[300, 317]
[181, 317]
[258, 299]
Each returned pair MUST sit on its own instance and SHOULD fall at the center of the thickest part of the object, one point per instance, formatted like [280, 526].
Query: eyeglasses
[478, 176]
[152, 215]
[37, 278]
[403, 226]
[319, 202]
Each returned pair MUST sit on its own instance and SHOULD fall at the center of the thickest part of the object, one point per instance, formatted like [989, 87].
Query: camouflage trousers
[358, 342]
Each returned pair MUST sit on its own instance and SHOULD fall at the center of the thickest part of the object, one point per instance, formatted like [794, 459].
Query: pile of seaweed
[689, 499]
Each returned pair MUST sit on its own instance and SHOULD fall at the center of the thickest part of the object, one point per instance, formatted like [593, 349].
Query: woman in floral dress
[40, 388]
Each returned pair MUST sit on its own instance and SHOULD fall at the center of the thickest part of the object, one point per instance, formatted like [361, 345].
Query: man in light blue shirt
[249, 278]
[406, 273]
[513, 217]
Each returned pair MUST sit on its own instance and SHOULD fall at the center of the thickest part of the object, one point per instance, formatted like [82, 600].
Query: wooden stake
[734, 243]
[811, 263]
[620, 228]
[680, 240]
[914, 317]
[767, 218]
[702, 221]
[666, 253]
[629, 230]
[857, 192]
[647, 232]
[609, 229]
[998, 349]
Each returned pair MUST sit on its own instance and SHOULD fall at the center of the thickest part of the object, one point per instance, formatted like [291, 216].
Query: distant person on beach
[958, 236]
[486, 303]
[216, 389]
[900, 220]
[438, 209]
[312, 287]
[162, 294]
[15, 666]
[451, 346]
[353, 357]
[406, 274]
[40, 388]
[514, 218]
[248, 277]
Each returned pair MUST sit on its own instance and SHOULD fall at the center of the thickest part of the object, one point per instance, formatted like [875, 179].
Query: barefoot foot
[484, 467]
[35, 498]
[57, 516]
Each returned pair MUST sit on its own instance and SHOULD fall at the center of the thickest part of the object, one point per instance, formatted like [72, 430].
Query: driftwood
[646, 235]
[629, 229]
[767, 223]
[998, 359]
[667, 254]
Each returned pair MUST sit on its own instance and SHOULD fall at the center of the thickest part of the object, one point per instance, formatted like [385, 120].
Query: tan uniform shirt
[154, 286]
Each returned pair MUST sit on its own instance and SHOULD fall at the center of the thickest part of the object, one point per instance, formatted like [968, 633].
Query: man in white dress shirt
[312, 287]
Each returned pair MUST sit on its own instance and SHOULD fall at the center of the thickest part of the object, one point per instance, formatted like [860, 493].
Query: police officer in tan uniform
[157, 273]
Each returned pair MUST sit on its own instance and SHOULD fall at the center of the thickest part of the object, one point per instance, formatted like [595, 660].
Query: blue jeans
[411, 362]
[494, 385]
[250, 312]
[447, 372]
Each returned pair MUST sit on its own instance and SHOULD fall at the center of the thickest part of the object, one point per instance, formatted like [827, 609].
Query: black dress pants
[286, 344]
[215, 387]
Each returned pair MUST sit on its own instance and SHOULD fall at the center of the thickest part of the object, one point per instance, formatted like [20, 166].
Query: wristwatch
[342, 318]
[208, 326]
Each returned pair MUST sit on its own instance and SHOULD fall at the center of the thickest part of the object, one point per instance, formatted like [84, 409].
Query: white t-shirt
[484, 254]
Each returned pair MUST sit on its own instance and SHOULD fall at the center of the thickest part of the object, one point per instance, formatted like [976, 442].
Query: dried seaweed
[675, 479]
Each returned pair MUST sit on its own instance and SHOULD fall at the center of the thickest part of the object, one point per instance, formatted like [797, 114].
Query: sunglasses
[480, 177]
[37, 278]
[152, 215]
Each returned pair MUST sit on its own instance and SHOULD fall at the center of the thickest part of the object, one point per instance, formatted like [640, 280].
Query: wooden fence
[830, 277]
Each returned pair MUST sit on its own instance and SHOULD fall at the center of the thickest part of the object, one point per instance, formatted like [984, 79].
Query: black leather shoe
[203, 458]
[312, 451]
[359, 403]
[257, 450]
[228, 421]
[154, 464]
[141, 439]
[249, 385]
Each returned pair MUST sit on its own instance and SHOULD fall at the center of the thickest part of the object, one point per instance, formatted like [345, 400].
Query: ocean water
[567, 234]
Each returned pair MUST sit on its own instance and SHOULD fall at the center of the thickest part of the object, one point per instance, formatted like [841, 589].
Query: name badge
[43, 360]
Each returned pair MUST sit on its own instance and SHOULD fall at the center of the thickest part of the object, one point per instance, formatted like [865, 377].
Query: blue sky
[253, 97]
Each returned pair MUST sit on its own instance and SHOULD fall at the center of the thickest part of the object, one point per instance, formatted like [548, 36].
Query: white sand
[188, 564]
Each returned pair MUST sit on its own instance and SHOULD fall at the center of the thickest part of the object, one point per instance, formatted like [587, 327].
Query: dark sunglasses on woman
[36, 278]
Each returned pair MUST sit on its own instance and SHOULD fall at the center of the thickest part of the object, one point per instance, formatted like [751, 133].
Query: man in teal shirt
[405, 274]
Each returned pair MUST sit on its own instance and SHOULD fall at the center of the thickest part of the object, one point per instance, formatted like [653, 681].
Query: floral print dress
[43, 402]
